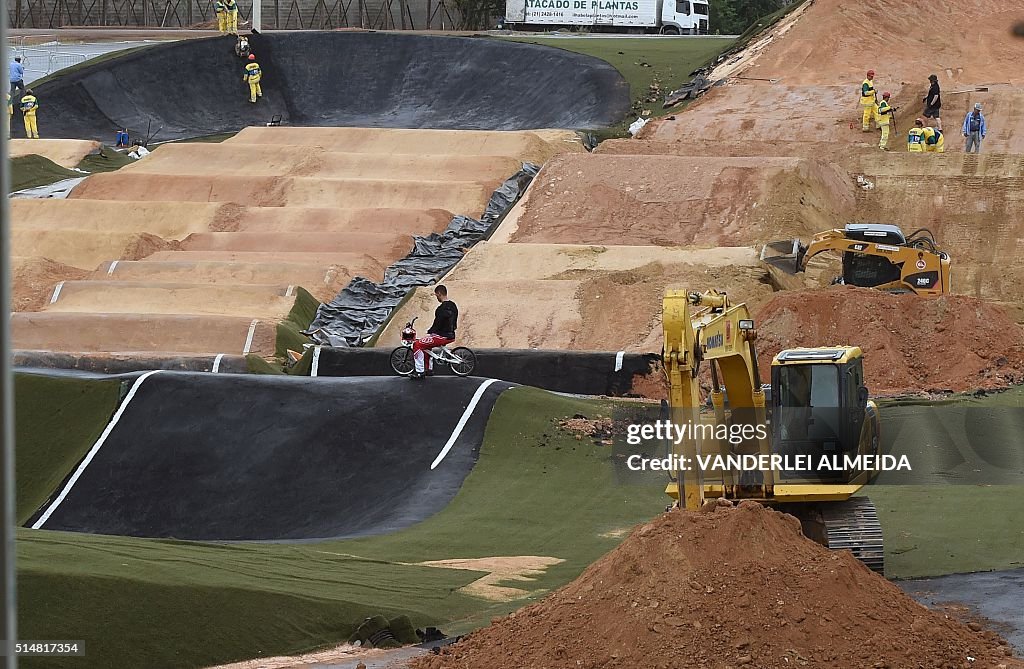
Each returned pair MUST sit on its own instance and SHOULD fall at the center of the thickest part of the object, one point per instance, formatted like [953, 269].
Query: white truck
[667, 17]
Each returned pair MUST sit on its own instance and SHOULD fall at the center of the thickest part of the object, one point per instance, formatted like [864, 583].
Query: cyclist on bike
[441, 333]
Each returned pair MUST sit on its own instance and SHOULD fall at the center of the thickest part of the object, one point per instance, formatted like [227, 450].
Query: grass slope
[57, 420]
[182, 604]
[34, 170]
[643, 61]
[969, 516]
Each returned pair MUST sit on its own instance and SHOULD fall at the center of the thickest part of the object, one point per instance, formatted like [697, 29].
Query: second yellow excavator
[816, 410]
[874, 256]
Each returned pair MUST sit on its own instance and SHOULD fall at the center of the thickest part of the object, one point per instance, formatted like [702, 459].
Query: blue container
[122, 138]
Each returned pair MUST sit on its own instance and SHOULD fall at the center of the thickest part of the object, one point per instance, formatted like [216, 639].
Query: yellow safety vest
[883, 112]
[915, 140]
[867, 95]
[28, 104]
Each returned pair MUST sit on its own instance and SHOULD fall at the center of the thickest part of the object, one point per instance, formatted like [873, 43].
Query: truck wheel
[671, 30]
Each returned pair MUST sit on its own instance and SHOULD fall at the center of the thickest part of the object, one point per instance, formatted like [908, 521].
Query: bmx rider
[442, 332]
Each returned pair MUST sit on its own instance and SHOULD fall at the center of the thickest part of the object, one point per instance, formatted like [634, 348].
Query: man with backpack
[974, 129]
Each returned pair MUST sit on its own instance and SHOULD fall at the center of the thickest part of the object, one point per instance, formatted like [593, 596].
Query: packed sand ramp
[725, 587]
[568, 296]
[65, 152]
[188, 239]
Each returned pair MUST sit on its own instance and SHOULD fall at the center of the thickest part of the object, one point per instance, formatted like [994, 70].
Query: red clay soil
[837, 41]
[911, 344]
[725, 587]
[34, 279]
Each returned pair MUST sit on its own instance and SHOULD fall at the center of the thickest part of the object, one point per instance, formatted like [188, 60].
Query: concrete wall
[277, 14]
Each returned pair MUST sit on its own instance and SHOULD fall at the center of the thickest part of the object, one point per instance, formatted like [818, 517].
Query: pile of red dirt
[911, 344]
[725, 587]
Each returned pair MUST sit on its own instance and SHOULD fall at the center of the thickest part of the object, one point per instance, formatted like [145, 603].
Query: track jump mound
[336, 79]
[666, 200]
[739, 587]
[911, 344]
[240, 457]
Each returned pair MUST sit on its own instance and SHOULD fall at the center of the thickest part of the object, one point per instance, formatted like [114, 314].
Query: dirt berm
[725, 587]
[911, 344]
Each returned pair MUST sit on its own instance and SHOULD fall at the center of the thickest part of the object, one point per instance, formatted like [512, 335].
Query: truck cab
[684, 17]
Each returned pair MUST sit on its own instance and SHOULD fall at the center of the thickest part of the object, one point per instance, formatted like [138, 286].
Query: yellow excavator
[816, 407]
[874, 256]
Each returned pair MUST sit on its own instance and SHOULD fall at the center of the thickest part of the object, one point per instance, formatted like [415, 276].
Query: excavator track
[853, 525]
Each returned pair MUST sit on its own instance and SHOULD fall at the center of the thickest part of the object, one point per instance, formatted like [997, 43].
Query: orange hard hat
[871, 73]
[887, 95]
[252, 56]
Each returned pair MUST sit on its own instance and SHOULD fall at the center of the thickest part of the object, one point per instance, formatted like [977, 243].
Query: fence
[44, 55]
[275, 14]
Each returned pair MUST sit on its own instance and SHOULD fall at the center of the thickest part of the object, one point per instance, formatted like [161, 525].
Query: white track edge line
[462, 422]
[92, 451]
[216, 363]
[316, 361]
[618, 360]
[110, 270]
[248, 338]
[56, 292]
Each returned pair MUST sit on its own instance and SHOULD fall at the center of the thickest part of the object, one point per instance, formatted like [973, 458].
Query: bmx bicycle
[460, 360]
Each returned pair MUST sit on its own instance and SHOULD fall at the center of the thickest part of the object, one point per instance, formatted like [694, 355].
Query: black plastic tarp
[362, 307]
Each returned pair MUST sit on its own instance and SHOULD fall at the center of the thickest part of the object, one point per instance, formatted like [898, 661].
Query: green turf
[289, 335]
[946, 527]
[33, 170]
[935, 530]
[106, 160]
[670, 63]
[535, 491]
[57, 420]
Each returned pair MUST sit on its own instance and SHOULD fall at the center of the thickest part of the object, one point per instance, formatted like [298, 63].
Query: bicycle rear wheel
[401, 361]
[467, 361]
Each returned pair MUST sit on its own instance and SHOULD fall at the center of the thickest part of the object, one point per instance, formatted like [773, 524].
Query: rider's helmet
[408, 334]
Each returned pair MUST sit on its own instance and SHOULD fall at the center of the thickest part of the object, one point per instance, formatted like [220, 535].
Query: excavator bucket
[784, 255]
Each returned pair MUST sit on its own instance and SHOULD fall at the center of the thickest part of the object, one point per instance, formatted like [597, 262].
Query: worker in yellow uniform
[252, 76]
[915, 138]
[885, 112]
[29, 107]
[231, 9]
[868, 101]
[933, 140]
[222, 17]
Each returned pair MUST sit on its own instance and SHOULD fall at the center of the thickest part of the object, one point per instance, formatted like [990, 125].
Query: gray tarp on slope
[363, 306]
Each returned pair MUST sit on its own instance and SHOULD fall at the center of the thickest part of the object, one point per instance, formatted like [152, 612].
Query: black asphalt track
[194, 88]
[247, 457]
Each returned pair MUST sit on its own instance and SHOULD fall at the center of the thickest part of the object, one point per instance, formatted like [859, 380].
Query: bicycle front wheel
[466, 361]
[401, 361]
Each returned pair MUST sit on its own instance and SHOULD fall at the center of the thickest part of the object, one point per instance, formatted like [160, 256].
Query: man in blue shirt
[974, 129]
[17, 76]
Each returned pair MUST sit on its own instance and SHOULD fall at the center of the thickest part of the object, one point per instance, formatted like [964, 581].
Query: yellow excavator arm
[706, 327]
[722, 334]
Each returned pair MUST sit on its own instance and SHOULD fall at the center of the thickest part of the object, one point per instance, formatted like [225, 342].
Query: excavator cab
[820, 407]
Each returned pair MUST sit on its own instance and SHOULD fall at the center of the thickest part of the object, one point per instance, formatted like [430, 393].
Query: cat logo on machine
[858, 247]
[921, 264]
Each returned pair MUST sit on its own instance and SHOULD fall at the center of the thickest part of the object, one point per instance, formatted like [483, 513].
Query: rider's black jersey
[446, 320]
